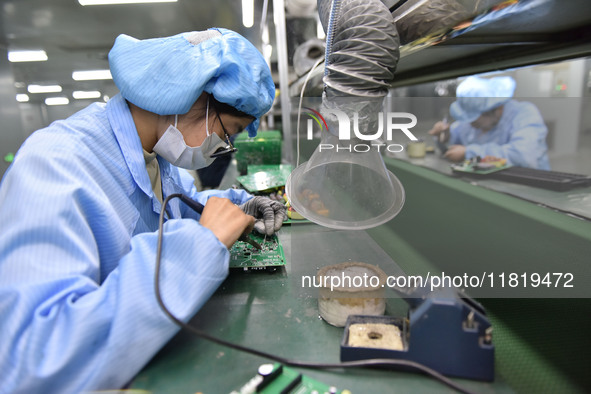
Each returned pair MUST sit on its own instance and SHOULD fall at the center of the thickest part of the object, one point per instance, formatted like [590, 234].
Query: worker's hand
[226, 220]
[455, 153]
[269, 214]
[441, 130]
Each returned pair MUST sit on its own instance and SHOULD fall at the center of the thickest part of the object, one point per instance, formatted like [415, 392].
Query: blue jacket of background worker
[520, 134]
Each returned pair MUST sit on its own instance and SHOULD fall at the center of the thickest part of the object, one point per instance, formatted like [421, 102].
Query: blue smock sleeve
[237, 196]
[519, 137]
[521, 150]
[77, 295]
[455, 133]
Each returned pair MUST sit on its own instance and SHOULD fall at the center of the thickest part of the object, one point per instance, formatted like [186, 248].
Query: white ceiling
[79, 38]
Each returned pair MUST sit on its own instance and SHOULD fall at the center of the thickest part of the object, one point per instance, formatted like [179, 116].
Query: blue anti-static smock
[519, 137]
[77, 255]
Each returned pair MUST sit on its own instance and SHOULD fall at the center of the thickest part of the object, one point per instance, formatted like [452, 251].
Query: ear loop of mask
[207, 117]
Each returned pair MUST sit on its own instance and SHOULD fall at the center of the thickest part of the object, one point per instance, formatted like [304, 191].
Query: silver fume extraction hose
[345, 183]
[362, 51]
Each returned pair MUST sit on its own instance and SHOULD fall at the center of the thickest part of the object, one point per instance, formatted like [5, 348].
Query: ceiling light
[320, 30]
[57, 101]
[248, 13]
[91, 75]
[27, 56]
[44, 88]
[22, 98]
[107, 2]
[81, 94]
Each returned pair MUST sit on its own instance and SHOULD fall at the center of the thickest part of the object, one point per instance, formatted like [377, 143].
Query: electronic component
[245, 256]
[478, 166]
[276, 378]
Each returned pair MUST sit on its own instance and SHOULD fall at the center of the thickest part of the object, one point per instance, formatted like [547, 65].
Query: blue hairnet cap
[167, 75]
[476, 96]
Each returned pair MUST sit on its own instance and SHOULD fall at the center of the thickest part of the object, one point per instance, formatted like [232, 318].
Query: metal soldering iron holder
[445, 331]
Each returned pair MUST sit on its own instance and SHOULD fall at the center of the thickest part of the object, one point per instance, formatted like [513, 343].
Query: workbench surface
[273, 313]
[541, 341]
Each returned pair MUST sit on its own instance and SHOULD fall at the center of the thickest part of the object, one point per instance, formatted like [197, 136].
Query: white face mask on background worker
[173, 148]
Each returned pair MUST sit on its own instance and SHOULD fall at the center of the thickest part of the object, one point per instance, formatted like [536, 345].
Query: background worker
[81, 202]
[488, 122]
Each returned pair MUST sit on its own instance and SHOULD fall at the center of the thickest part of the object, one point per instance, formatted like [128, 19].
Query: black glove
[269, 214]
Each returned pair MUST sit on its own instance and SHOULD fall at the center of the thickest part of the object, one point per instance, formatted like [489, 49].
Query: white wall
[558, 91]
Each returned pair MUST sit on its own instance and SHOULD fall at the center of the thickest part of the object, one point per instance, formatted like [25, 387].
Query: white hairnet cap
[476, 96]
[167, 75]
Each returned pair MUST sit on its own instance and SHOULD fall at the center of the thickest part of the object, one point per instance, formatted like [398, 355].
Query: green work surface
[272, 312]
[540, 343]
[576, 201]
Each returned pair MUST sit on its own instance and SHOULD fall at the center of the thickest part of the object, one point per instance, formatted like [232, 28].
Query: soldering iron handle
[198, 207]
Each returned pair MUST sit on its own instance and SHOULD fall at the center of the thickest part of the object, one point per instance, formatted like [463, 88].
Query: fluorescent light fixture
[27, 56]
[248, 13]
[267, 52]
[44, 88]
[108, 2]
[320, 30]
[81, 94]
[91, 75]
[57, 101]
[22, 98]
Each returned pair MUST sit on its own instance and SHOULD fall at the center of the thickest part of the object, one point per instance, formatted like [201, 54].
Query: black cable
[294, 363]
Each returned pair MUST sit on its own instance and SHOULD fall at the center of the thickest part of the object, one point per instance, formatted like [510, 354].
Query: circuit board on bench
[245, 256]
[276, 378]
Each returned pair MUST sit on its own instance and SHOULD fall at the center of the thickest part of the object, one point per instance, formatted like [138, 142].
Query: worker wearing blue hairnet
[488, 122]
[80, 206]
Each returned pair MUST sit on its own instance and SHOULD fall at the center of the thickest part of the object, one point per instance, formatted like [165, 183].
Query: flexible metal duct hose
[353, 189]
[362, 51]
[417, 19]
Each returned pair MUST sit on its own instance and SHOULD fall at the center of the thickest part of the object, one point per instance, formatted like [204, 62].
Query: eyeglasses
[228, 149]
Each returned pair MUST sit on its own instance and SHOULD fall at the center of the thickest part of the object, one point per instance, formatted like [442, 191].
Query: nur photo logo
[349, 129]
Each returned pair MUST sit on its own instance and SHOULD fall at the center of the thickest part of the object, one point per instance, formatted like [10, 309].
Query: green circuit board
[245, 256]
[479, 168]
[262, 178]
[281, 379]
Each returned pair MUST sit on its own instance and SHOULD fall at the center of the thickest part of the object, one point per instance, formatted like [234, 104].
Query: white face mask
[172, 147]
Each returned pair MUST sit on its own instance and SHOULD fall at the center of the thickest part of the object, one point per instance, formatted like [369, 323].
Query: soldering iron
[400, 363]
[198, 207]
